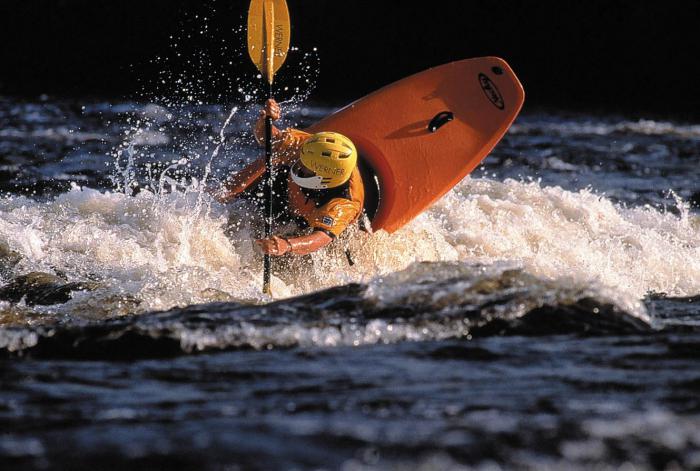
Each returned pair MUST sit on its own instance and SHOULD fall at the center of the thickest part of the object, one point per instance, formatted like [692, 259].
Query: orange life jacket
[331, 210]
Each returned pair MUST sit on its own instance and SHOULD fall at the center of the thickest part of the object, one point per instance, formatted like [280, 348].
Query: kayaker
[324, 189]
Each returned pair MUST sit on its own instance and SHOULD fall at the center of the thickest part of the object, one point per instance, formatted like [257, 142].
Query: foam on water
[153, 252]
[557, 233]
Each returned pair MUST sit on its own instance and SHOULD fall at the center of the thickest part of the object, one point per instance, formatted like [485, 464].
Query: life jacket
[331, 210]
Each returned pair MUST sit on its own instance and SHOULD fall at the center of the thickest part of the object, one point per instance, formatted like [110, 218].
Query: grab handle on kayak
[440, 120]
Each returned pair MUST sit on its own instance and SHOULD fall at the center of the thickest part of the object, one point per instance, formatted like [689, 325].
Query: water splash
[556, 233]
[170, 254]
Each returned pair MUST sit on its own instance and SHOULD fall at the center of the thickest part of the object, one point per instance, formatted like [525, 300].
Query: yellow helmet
[327, 161]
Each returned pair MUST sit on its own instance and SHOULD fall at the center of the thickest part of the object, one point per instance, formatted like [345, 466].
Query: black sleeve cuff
[326, 231]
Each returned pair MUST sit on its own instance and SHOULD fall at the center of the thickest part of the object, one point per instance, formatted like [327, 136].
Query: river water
[542, 315]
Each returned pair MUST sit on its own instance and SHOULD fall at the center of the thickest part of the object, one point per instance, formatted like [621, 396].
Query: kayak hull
[423, 134]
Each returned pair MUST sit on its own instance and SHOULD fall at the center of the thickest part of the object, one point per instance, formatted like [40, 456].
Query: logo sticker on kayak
[491, 91]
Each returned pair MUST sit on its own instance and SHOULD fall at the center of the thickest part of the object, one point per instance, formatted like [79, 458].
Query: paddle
[268, 43]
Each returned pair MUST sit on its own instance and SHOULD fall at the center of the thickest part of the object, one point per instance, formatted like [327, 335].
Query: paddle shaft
[268, 44]
[268, 197]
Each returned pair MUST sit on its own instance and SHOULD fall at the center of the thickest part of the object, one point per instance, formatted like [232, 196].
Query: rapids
[549, 303]
[159, 251]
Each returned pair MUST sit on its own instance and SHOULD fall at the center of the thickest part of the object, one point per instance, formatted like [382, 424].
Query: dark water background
[445, 365]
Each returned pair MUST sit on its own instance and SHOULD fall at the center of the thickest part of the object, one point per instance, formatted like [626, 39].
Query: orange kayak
[423, 134]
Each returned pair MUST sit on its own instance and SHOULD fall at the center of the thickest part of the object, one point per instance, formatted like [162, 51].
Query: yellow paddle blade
[268, 35]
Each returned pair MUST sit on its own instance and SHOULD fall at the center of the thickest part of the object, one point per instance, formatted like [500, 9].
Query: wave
[155, 252]
[427, 301]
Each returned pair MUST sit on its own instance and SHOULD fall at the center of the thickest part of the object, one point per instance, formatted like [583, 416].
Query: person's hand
[274, 246]
[271, 110]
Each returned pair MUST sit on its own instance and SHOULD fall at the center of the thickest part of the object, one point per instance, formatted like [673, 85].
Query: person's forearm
[259, 131]
[236, 184]
[307, 244]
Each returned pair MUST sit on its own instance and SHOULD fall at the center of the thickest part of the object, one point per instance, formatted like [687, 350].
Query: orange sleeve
[336, 215]
[286, 144]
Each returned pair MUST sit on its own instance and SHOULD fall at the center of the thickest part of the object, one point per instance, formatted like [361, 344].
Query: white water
[556, 233]
[156, 252]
